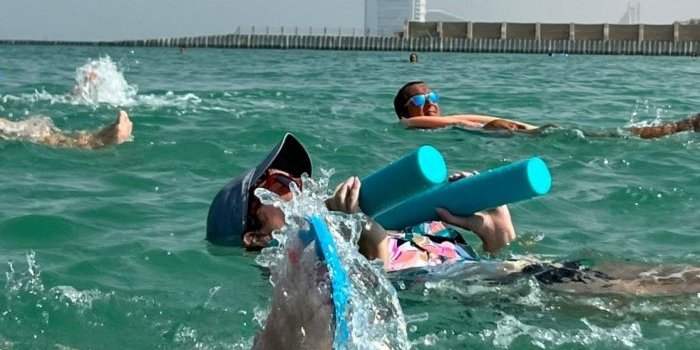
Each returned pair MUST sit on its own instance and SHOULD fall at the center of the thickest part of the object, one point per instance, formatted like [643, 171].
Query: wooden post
[439, 30]
[470, 30]
[572, 31]
[606, 32]
[676, 32]
[504, 31]
[538, 31]
[641, 33]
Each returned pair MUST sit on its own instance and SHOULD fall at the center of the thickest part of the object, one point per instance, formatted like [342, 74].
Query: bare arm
[373, 240]
[467, 120]
[494, 227]
[650, 132]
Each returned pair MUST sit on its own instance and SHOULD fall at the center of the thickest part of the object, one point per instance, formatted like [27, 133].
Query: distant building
[632, 15]
[388, 17]
[437, 15]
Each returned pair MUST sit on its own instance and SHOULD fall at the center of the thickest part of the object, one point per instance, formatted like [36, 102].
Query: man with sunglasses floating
[417, 107]
[237, 218]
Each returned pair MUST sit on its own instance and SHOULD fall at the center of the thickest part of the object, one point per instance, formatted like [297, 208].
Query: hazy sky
[136, 19]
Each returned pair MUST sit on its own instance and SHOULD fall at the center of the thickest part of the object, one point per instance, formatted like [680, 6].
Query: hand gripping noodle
[415, 172]
[327, 250]
[511, 183]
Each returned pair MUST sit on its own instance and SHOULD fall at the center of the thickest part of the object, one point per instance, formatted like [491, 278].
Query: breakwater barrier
[598, 39]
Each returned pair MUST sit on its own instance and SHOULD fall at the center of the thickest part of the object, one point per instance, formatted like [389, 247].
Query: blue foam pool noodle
[415, 172]
[327, 249]
[507, 184]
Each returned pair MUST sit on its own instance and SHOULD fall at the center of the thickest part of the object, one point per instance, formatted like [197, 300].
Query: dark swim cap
[228, 212]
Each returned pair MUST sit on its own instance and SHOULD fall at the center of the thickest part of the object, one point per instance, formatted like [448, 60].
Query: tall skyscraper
[388, 17]
[632, 15]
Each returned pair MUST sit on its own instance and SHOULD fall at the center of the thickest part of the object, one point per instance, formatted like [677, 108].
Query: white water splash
[509, 328]
[101, 81]
[646, 113]
[29, 281]
[374, 314]
[83, 300]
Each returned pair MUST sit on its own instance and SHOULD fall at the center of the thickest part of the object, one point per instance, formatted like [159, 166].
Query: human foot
[117, 132]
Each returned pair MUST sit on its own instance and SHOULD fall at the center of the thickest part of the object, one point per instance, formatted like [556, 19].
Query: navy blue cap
[228, 212]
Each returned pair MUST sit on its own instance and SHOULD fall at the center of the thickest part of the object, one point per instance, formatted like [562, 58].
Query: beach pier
[474, 37]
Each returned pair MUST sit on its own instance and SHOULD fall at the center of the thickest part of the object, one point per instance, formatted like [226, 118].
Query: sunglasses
[276, 182]
[420, 100]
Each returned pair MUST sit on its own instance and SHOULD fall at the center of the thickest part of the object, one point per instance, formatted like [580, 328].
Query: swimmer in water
[238, 218]
[41, 130]
[86, 85]
[301, 314]
[416, 106]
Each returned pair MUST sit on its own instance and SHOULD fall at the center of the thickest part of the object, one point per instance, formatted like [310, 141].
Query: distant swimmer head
[696, 122]
[413, 57]
[416, 99]
[236, 215]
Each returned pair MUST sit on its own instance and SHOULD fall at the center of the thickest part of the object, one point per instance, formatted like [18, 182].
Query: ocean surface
[105, 249]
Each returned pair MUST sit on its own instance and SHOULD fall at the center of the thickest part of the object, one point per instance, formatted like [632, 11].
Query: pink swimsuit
[415, 248]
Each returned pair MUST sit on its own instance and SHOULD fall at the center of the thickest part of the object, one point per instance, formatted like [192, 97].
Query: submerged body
[41, 130]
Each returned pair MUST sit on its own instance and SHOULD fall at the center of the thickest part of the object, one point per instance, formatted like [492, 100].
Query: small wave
[37, 96]
[169, 99]
[509, 328]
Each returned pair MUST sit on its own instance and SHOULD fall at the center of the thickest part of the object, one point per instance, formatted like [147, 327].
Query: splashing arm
[373, 242]
[650, 132]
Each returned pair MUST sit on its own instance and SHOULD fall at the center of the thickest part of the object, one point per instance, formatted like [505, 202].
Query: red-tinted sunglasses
[275, 181]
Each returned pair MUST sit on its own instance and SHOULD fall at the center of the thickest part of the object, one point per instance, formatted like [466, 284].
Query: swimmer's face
[267, 218]
[428, 109]
[271, 219]
[696, 122]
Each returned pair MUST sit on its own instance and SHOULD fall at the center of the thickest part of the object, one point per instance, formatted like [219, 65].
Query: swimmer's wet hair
[400, 99]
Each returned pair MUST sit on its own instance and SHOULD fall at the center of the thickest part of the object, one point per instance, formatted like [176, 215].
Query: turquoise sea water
[104, 249]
